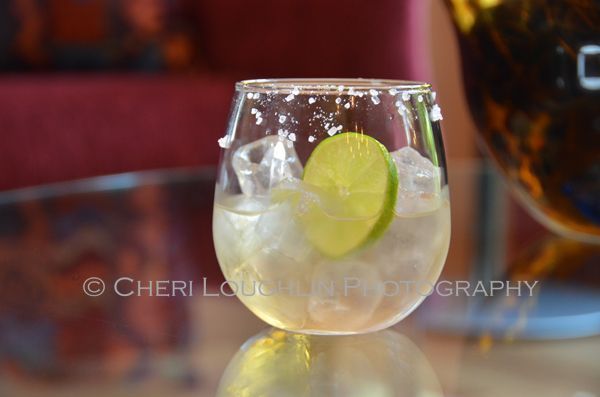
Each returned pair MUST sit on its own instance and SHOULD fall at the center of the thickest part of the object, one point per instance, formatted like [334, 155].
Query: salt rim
[297, 87]
[402, 93]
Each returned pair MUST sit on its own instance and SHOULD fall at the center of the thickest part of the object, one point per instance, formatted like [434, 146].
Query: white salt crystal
[420, 98]
[393, 91]
[253, 110]
[225, 142]
[282, 133]
[311, 100]
[259, 120]
[256, 95]
[338, 100]
[376, 100]
[341, 88]
[398, 104]
[292, 137]
[249, 95]
[295, 91]
[405, 96]
[311, 138]
[289, 97]
[282, 119]
[332, 131]
[347, 105]
[435, 114]
[373, 92]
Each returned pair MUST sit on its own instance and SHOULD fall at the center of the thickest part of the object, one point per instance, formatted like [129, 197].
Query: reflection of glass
[339, 243]
[532, 78]
[277, 363]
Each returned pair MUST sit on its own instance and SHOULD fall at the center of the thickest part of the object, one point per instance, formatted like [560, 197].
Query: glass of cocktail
[331, 206]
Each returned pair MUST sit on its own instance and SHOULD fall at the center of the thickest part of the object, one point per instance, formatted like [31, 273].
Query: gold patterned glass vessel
[531, 70]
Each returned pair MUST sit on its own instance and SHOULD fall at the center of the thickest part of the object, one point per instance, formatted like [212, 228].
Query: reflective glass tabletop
[109, 287]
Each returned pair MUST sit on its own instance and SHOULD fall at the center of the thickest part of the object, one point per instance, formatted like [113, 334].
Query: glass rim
[328, 86]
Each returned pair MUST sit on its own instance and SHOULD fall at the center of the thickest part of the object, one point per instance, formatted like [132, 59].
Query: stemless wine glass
[331, 208]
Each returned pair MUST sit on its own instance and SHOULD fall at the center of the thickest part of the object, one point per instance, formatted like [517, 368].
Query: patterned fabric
[49, 246]
[146, 35]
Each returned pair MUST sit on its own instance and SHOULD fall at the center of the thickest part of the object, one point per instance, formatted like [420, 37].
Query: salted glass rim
[325, 86]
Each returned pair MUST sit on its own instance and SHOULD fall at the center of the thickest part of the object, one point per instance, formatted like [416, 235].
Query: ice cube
[277, 285]
[282, 262]
[234, 223]
[278, 230]
[264, 163]
[345, 291]
[419, 182]
[413, 246]
[260, 243]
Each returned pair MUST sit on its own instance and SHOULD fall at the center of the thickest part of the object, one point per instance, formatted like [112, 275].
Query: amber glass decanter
[531, 71]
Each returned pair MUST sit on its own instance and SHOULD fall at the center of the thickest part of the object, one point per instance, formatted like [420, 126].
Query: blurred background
[110, 111]
[92, 87]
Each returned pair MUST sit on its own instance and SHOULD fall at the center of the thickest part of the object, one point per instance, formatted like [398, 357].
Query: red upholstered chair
[57, 127]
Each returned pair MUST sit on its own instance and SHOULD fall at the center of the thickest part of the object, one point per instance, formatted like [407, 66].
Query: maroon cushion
[56, 128]
[61, 128]
[309, 38]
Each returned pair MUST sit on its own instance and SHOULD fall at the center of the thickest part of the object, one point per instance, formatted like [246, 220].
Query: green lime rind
[357, 183]
[387, 216]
